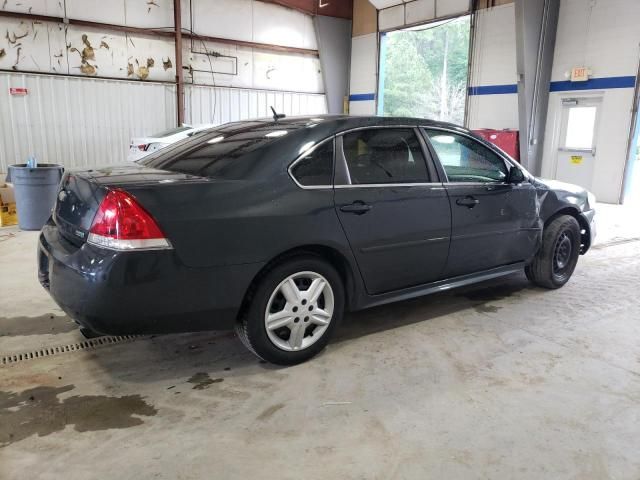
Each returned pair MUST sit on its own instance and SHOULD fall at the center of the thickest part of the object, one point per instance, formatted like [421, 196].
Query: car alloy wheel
[299, 311]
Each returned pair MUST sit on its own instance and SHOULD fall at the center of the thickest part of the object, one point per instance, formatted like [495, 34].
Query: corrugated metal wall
[83, 120]
[78, 121]
[221, 105]
[87, 122]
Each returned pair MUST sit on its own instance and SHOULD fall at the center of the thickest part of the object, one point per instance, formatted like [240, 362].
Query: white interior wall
[405, 12]
[291, 80]
[250, 20]
[58, 48]
[246, 67]
[78, 121]
[363, 83]
[247, 20]
[494, 70]
[221, 105]
[603, 35]
[53, 8]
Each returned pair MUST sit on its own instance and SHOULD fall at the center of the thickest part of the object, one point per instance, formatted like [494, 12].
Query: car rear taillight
[121, 223]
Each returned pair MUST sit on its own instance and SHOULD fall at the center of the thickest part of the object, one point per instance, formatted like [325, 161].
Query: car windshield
[171, 131]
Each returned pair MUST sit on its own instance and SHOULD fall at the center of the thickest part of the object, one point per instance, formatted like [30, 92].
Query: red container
[507, 140]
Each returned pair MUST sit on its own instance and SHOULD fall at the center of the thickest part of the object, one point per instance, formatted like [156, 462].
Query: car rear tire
[557, 258]
[293, 311]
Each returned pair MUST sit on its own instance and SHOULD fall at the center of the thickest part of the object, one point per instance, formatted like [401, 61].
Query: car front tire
[557, 258]
[293, 311]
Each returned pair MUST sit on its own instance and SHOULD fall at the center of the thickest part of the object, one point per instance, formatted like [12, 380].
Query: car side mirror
[515, 176]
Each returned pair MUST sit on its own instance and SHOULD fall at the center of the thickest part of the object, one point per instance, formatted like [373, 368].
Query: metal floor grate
[72, 347]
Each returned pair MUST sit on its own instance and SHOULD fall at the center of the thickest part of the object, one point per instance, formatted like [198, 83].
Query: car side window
[384, 155]
[315, 168]
[465, 160]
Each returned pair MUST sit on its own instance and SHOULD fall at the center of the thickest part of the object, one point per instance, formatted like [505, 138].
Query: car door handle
[468, 201]
[357, 208]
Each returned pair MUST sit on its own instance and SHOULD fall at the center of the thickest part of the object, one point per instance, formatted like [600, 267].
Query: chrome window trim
[431, 163]
[371, 127]
[308, 152]
[473, 139]
[437, 185]
[338, 136]
[481, 184]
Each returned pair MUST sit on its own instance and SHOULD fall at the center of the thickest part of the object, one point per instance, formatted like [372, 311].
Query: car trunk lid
[77, 203]
[82, 192]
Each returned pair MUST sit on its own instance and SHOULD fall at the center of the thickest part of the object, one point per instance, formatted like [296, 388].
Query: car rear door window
[315, 168]
[384, 155]
[466, 160]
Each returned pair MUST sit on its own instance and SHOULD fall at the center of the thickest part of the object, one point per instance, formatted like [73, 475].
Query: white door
[577, 148]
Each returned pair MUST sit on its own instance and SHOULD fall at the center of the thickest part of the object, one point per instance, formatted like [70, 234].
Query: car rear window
[219, 154]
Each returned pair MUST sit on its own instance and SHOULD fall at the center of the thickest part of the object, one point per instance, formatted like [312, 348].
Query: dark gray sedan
[278, 226]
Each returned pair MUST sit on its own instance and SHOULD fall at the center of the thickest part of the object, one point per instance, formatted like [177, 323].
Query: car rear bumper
[118, 293]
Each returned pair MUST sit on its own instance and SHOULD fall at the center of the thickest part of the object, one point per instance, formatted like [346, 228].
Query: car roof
[300, 130]
[340, 122]
[288, 137]
[322, 125]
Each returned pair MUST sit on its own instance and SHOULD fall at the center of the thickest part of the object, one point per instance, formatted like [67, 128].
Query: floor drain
[72, 347]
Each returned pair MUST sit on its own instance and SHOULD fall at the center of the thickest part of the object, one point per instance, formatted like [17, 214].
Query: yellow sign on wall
[576, 159]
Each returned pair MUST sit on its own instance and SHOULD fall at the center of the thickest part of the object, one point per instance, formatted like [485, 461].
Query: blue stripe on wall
[493, 89]
[594, 84]
[361, 97]
[563, 86]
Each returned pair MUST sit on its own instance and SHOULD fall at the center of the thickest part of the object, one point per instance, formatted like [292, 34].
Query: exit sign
[18, 91]
[579, 74]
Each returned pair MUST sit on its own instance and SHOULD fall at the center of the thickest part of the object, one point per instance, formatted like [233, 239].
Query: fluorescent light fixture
[276, 133]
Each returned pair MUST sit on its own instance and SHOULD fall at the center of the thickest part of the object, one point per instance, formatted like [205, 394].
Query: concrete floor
[501, 380]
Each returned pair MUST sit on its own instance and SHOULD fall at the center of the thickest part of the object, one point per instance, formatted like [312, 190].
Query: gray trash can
[35, 190]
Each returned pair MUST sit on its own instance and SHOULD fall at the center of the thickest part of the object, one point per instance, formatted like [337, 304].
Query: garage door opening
[424, 71]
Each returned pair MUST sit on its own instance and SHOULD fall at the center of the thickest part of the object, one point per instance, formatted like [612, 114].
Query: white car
[142, 146]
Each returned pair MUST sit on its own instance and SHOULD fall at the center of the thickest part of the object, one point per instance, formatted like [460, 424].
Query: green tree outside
[426, 71]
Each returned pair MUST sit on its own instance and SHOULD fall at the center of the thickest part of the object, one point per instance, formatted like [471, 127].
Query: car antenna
[277, 116]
